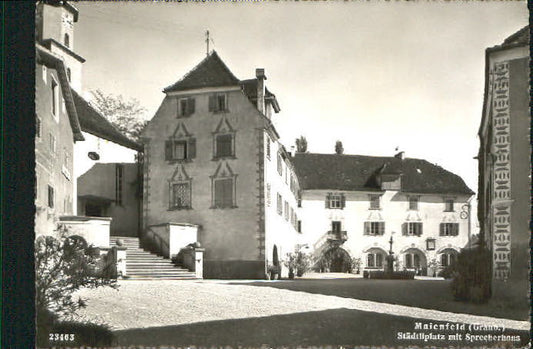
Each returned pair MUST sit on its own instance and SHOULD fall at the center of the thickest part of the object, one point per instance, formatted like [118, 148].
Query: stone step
[168, 277]
[159, 273]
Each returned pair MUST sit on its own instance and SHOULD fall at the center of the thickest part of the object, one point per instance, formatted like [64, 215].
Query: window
[292, 216]
[447, 258]
[412, 229]
[50, 196]
[374, 228]
[37, 126]
[336, 227]
[413, 203]
[218, 103]
[430, 244]
[224, 193]
[268, 147]
[119, 179]
[45, 74]
[412, 260]
[180, 149]
[449, 229]
[299, 229]
[299, 202]
[180, 196]
[52, 142]
[66, 40]
[55, 98]
[280, 205]
[224, 146]
[374, 202]
[186, 107]
[448, 205]
[280, 165]
[335, 201]
[68, 74]
[286, 211]
[374, 259]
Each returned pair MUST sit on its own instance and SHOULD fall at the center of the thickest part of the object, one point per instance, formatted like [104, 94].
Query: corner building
[212, 158]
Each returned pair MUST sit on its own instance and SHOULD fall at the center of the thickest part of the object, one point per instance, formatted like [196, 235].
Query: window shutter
[170, 192]
[212, 103]
[228, 192]
[328, 197]
[381, 228]
[190, 106]
[168, 150]
[219, 193]
[441, 229]
[404, 229]
[456, 229]
[191, 148]
[421, 229]
[343, 201]
[367, 228]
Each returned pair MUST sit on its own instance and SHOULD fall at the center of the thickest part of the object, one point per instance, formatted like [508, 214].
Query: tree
[301, 144]
[126, 115]
[339, 149]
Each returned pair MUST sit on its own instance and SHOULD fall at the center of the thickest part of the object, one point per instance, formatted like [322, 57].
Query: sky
[375, 75]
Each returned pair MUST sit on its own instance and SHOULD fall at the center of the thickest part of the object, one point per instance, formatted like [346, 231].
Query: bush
[62, 266]
[298, 262]
[396, 275]
[472, 276]
[448, 272]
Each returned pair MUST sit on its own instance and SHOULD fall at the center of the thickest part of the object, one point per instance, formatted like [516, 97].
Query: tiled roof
[358, 172]
[210, 72]
[93, 122]
[521, 37]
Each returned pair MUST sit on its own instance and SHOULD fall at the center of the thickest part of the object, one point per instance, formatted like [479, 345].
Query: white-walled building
[352, 205]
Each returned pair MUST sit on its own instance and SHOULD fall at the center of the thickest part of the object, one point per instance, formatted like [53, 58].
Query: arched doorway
[338, 260]
[416, 260]
[375, 258]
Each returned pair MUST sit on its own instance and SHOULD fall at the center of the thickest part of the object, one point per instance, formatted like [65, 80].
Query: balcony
[337, 236]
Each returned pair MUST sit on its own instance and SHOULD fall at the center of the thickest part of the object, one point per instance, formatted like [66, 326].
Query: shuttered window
[374, 202]
[224, 193]
[180, 149]
[279, 205]
[374, 228]
[412, 229]
[50, 196]
[448, 205]
[186, 107]
[449, 229]
[413, 203]
[218, 103]
[335, 201]
[224, 146]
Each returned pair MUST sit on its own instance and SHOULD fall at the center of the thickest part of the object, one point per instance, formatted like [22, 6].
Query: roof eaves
[48, 43]
[57, 63]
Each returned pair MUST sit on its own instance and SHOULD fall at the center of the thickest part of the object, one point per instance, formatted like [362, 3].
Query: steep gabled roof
[358, 173]
[521, 37]
[210, 72]
[49, 59]
[93, 122]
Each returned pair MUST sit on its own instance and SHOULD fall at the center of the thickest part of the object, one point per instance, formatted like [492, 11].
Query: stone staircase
[144, 265]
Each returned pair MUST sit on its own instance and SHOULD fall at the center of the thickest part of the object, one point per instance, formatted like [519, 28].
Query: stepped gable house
[504, 157]
[351, 206]
[212, 159]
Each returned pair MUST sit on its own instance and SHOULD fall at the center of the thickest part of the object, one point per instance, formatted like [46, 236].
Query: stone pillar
[199, 262]
[120, 260]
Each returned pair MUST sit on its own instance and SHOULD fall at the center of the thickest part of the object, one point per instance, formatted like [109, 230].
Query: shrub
[356, 265]
[397, 275]
[297, 261]
[472, 275]
[448, 272]
[62, 266]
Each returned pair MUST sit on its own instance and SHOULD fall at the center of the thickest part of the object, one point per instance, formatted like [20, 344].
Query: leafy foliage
[297, 262]
[126, 115]
[473, 275]
[63, 265]
[301, 144]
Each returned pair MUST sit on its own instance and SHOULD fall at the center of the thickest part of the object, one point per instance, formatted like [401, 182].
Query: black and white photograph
[268, 174]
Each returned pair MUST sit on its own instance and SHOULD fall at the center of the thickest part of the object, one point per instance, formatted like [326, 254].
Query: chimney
[260, 75]
[399, 155]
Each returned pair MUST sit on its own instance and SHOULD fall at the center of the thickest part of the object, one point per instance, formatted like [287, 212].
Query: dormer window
[335, 201]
